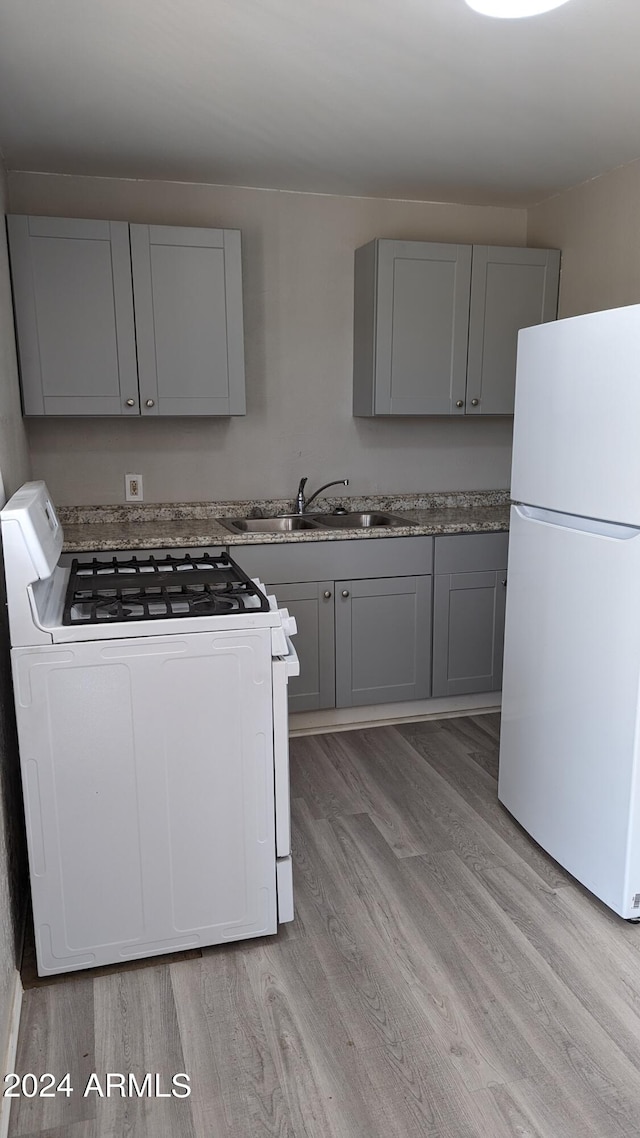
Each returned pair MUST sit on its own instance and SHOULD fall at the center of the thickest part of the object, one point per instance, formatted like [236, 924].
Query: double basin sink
[289, 523]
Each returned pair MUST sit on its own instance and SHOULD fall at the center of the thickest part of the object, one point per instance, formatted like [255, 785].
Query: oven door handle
[281, 646]
[291, 659]
[281, 756]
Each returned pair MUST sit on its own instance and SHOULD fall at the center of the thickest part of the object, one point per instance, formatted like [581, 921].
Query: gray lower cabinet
[119, 319]
[312, 604]
[369, 629]
[364, 629]
[383, 640]
[436, 325]
[470, 581]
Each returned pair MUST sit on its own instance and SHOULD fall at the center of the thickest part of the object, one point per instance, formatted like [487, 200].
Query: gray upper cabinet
[510, 289]
[139, 320]
[74, 315]
[187, 289]
[436, 325]
[411, 319]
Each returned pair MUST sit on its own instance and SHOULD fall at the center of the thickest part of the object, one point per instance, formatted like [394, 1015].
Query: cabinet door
[74, 316]
[510, 289]
[421, 332]
[468, 632]
[312, 605]
[383, 640]
[188, 305]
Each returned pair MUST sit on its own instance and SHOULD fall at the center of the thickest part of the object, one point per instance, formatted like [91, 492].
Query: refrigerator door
[577, 416]
[569, 741]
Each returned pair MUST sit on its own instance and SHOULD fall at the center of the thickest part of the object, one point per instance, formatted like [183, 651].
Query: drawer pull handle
[345, 592]
[327, 594]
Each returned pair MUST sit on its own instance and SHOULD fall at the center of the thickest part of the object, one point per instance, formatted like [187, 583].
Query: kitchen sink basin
[290, 523]
[285, 524]
[358, 520]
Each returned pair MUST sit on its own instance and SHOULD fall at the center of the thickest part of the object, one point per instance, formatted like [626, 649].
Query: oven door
[149, 792]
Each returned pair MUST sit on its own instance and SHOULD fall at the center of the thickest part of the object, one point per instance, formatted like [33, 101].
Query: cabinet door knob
[130, 402]
[474, 402]
[505, 582]
[459, 402]
[345, 592]
[327, 594]
[150, 403]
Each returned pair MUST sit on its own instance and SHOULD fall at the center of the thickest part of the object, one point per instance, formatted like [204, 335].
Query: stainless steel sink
[290, 523]
[286, 524]
[358, 520]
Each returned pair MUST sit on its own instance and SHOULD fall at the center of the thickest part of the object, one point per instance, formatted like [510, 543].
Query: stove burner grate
[155, 588]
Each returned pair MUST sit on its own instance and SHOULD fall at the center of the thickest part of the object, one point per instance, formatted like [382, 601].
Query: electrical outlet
[133, 488]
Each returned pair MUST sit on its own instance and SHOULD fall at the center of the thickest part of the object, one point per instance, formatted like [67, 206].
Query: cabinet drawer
[471, 552]
[336, 560]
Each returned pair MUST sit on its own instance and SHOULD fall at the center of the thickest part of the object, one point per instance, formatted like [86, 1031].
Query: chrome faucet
[303, 503]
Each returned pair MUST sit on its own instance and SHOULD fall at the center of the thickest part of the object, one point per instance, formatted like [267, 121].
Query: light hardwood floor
[443, 978]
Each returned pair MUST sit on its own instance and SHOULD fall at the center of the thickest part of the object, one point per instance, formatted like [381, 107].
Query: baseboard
[354, 718]
[10, 1049]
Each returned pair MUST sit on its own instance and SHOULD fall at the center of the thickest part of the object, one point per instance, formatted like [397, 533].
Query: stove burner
[151, 588]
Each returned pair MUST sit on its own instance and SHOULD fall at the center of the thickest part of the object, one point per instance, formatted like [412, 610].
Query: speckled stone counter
[196, 524]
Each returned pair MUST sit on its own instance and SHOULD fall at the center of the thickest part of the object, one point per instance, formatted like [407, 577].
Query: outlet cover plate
[133, 488]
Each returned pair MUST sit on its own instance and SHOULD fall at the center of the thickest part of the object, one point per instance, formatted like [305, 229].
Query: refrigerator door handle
[611, 530]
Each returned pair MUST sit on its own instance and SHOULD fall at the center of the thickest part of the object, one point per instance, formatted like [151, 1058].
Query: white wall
[298, 294]
[14, 464]
[596, 226]
[14, 458]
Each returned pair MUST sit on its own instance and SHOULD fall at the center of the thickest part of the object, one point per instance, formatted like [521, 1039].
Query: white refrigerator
[570, 741]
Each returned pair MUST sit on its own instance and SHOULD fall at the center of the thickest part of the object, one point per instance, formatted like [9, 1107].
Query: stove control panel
[31, 507]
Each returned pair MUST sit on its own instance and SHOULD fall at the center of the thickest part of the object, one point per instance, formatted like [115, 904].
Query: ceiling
[420, 99]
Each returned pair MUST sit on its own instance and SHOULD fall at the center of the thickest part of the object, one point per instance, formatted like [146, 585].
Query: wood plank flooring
[443, 978]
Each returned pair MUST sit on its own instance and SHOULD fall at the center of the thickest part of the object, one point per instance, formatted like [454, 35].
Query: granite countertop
[165, 526]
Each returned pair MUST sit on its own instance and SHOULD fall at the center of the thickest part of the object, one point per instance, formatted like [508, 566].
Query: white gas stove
[151, 700]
